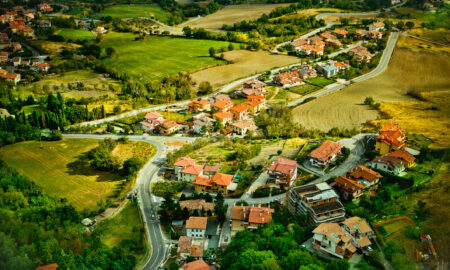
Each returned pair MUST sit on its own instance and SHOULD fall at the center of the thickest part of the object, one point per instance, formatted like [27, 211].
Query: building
[196, 227]
[151, 120]
[391, 138]
[331, 68]
[349, 188]
[218, 97]
[52, 266]
[100, 30]
[325, 153]
[190, 172]
[319, 202]
[388, 164]
[4, 113]
[222, 105]
[255, 84]
[4, 57]
[181, 163]
[378, 26]
[223, 117]
[196, 265]
[199, 105]
[3, 73]
[364, 176]
[406, 157]
[361, 54]
[44, 24]
[307, 71]
[255, 105]
[44, 67]
[184, 247]
[217, 183]
[249, 217]
[283, 170]
[242, 127]
[12, 77]
[359, 230]
[239, 111]
[340, 32]
[210, 170]
[374, 34]
[201, 125]
[44, 7]
[168, 127]
[197, 205]
[288, 79]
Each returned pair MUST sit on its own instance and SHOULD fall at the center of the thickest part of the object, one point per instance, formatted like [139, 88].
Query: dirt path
[111, 211]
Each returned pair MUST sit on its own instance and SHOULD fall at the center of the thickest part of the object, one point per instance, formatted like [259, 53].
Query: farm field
[135, 11]
[156, 57]
[345, 108]
[391, 227]
[54, 48]
[277, 95]
[124, 226]
[75, 34]
[60, 169]
[233, 14]
[416, 44]
[245, 63]
[303, 89]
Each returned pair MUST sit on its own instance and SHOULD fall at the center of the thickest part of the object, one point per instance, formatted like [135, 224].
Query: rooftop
[196, 223]
[326, 150]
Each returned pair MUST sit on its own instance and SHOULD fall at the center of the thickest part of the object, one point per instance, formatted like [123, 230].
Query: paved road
[150, 203]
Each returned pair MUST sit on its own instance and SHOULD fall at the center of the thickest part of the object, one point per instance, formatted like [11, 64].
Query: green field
[124, 228]
[157, 57]
[76, 11]
[319, 81]
[75, 34]
[303, 89]
[61, 169]
[137, 11]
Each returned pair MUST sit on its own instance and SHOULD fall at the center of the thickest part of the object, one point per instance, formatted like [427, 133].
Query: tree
[132, 165]
[110, 51]
[400, 25]
[368, 101]
[230, 47]
[117, 109]
[345, 21]
[205, 88]
[409, 25]
[187, 31]
[212, 51]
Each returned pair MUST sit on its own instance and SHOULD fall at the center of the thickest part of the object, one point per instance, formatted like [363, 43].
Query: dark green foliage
[261, 192]
[36, 229]
[277, 122]
[101, 157]
[168, 188]
[132, 166]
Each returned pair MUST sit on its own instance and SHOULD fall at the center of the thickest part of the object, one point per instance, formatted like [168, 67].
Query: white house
[196, 227]
[389, 164]
[181, 163]
[189, 172]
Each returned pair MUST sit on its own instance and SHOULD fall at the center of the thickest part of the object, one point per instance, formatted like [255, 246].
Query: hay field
[419, 70]
[233, 14]
[245, 63]
[61, 170]
[54, 48]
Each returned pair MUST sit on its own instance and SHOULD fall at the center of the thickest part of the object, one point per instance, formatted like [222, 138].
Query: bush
[261, 192]
[168, 188]
[368, 101]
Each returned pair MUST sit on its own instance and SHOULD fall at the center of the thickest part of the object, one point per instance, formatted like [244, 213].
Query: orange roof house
[222, 179]
[223, 117]
[403, 155]
[325, 153]
[239, 111]
[223, 105]
[259, 216]
[340, 32]
[199, 105]
[193, 169]
[250, 217]
[196, 265]
[52, 266]
[283, 170]
[183, 162]
[364, 175]
[196, 226]
[254, 105]
[348, 187]
[326, 35]
[391, 138]
[218, 183]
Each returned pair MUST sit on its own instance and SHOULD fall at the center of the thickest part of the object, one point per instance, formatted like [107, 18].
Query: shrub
[368, 101]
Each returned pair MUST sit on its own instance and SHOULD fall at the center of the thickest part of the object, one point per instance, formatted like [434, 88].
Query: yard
[136, 11]
[125, 228]
[303, 89]
[319, 81]
[70, 34]
[157, 56]
[61, 170]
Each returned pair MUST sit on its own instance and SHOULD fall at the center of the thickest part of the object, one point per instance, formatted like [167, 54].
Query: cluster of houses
[208, 113]
[315, 46]
[295, 76]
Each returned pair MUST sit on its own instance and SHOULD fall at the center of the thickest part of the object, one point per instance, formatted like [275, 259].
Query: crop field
[233, 14]
[390, 228]
[54, 48]
[156, 57]
[408, 70]
[61, 170]
[245, 63]
[75, 34]
[136, 11]
[443, 37]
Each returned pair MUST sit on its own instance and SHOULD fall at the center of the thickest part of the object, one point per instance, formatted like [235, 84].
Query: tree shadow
[81, 166]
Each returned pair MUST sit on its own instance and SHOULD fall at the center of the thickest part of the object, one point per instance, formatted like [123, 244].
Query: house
[360, 33]
[44, 7]
[218, 97]
[374, 34]
[44, 24]
[168, 127]
[239, 111]
[361, 54]
[331, 68]
[222, 105]
[283, 170]
[359, 230]
[16, 61]
[196, 251]
[288, 79]
[223, 117]
[184, 247]
[364, 176]
[306, 72]
[388, 164]
[181, 163]
[331, 42]
[349, 188]
[190, 172]
[52, 266]
[297, 44]
[319, 202]
[100, 30]
[255, 105]
[245, 92]
[316, 41]
[15, 47]
[25, 31]
[376, 26]
[217, 183]
[340, 32]
[428, 6]
[331, 239]
[4, 57]
[325, 153]
[4, 113]
[196, 265]
[327, 35]
[210, 170]
[199, 105]
[406, 157]
[249, 217]
[151, 120]
[196, 227]
[3, 73]
[317, 51]
[203, 124]
[28, 16]
[197, 205]
[391, 138]
[44, 67]
[35, 61]
[255, 84]
[242, 127]
[12, 77]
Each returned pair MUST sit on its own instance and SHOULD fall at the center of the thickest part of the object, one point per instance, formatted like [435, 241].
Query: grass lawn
[136, 11]
[319, 81]
[215, 153]
[29, 109]
[76, 11]
[156, 57]
[303, 89]
[124, 226]
[61, 170]
[75, 34]
[176, 116]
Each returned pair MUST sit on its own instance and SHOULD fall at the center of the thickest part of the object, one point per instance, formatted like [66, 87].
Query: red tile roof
[402, 154]
[391, 137]
[240, 212]
[183, 162]
[196, 265]
[362, 172]
[223, 115]
[260, 215]
[254, 102]
[239, 108]
[196, 223]
[52, 266]
[11, 75]
[392, 127]
[257, 97]
[185, 244]
[325, 151]
[196, 251]
[284, 165]
[347, 184]
[192, 169]
[223, 103]
[202, 180]
[222, 179]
